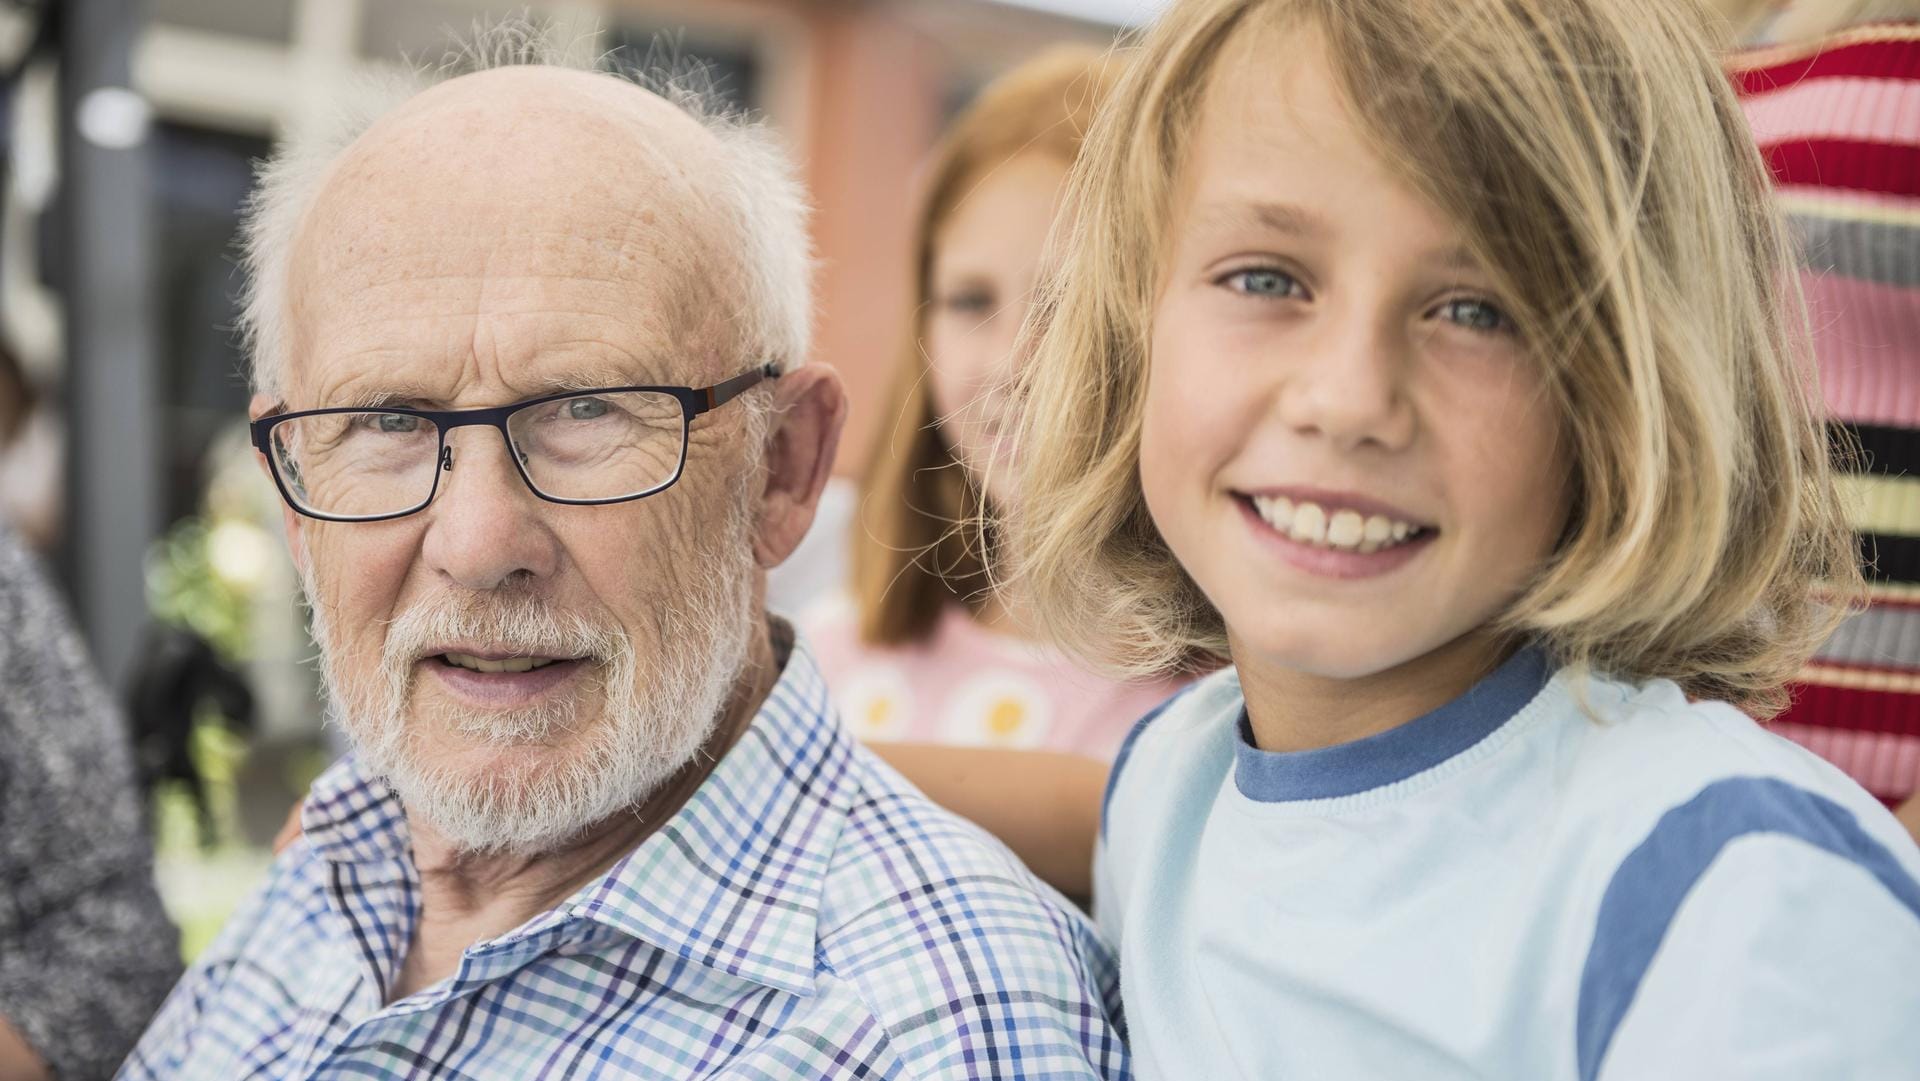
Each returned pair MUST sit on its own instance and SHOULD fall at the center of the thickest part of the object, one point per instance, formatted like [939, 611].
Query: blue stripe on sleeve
[1650, 884]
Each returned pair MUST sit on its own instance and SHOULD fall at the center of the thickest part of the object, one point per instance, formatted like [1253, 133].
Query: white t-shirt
[1507, 888]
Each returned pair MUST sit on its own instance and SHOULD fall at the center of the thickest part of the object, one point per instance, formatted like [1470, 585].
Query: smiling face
[521, 669]
[985, 258]
[1345, 442]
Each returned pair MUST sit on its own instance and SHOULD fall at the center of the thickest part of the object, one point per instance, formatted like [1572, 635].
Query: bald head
[533, 145]
[510, 178]
[537, 171]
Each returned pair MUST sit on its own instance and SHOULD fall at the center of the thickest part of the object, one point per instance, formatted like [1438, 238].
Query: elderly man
[526, 349]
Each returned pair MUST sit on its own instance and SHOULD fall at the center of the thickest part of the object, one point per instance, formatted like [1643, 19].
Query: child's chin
[1355, 645]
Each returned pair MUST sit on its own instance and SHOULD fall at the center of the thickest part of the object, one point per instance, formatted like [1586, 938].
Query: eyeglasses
[585, 447]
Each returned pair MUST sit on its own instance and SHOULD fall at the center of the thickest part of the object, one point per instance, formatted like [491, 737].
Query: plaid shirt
[807, 914]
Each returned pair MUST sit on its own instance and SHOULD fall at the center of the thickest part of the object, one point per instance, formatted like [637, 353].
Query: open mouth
[1339, 529]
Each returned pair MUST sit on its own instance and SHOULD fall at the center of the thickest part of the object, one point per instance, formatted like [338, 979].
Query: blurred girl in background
[923, 651]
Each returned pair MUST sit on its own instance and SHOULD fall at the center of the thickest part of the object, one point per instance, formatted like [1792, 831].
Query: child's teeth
[1346, 529]
[1309, 523]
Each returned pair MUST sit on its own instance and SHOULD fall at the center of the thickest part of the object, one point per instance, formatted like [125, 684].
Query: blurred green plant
[218, 752]
[202, 884]
[186, 586]
[218, 575]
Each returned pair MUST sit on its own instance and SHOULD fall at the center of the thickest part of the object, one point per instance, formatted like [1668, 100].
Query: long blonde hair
[912, 554]
[1598, 163]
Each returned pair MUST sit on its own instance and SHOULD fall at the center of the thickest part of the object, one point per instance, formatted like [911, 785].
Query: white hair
[756, 190]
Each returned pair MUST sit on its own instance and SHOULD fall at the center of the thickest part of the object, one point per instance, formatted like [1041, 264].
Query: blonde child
[1433, 364]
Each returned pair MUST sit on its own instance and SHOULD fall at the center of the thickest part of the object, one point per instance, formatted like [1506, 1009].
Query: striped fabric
[1838, 120]
[806, 915]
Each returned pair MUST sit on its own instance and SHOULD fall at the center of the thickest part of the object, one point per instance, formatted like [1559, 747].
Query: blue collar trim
[1398, 753]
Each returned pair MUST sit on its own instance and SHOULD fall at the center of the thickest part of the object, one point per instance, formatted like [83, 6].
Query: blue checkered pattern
[806, 915]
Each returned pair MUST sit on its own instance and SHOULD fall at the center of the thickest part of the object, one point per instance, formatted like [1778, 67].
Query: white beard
[645, 733]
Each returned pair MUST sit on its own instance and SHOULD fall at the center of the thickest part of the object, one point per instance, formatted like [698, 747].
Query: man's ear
[259, 407]
[810, 408]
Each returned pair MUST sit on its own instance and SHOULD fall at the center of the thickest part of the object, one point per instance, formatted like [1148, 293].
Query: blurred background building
[132, 128]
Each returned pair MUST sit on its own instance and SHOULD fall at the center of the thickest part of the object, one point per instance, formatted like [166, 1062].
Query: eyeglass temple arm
[720, 394]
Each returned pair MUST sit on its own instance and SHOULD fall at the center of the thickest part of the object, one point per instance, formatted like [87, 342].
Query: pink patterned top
[971, 686]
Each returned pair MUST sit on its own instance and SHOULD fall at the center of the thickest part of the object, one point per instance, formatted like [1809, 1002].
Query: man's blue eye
[968, 302]
[585, 408]
[1264, 283]
[1477, 315]
[397, 423]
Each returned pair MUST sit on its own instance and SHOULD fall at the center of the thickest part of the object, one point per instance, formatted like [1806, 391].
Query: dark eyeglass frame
[694, 401]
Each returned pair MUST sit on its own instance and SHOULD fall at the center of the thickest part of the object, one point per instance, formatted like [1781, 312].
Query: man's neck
[466, 897]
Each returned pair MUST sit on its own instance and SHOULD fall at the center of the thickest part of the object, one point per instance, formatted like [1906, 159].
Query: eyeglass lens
[364, 464]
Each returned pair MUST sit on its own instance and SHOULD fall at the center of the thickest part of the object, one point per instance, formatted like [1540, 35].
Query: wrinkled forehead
[525, 228]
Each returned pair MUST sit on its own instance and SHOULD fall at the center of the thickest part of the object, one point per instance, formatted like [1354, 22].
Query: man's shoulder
[899, 852]
[287, 910]
[955, 947]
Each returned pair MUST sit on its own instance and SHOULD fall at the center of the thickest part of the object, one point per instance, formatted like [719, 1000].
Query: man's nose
[485, 526]
[1349, 386]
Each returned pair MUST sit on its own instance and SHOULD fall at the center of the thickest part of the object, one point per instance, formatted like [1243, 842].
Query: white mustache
[520, 625]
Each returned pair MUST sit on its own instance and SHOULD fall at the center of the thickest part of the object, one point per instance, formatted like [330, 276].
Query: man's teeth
[509, 664]
[1309, 523]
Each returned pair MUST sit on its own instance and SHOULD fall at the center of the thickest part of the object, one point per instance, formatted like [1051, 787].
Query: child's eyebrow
[1273, 217]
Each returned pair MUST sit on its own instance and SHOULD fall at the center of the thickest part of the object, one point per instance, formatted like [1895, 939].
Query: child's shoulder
[1187, 722]
[1724, 852]
[1175, 753]
[1651, 743]
[1195, 709]
[1641, 771]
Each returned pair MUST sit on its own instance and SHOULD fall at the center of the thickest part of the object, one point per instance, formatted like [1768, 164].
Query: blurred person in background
[86, 954]
[926, 651]
[30, 456]
[1832, 91]
[527, 351]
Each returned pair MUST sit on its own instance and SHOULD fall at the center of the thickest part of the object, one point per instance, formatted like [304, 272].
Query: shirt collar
[1347, 769]
[733, 881]
[352, 817]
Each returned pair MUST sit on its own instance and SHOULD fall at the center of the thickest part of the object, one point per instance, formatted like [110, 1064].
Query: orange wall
[878, 91]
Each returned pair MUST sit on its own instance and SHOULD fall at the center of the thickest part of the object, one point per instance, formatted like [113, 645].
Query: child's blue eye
[1477, 315]
[1264, 282]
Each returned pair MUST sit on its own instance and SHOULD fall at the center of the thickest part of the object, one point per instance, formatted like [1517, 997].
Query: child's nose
[1350, 388]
